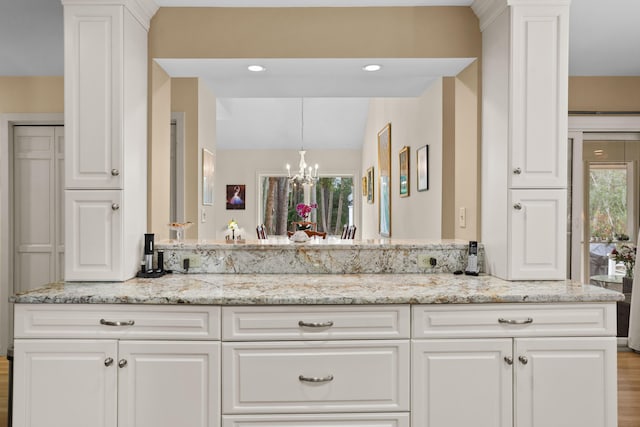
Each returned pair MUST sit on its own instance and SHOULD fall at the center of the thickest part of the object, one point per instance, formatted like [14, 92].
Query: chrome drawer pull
[110, 323]
[516, 322]
[316, 324]
[316, 379]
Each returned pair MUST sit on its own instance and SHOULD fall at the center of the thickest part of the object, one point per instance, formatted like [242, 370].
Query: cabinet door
[93, 229]
[169, 384]
[459, 383]
[538, 239]
[569, 382]
[65, 383]
[93, 104]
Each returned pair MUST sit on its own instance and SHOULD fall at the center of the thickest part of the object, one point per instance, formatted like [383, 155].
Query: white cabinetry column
[524, 136]
[106, 121]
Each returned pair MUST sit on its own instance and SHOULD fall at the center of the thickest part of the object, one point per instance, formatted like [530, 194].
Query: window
[332, 194]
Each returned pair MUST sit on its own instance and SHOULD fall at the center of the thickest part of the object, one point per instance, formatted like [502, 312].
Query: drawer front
[332, 376]
[117, 321]
[514, 320]
[279, 323]
[318, 420]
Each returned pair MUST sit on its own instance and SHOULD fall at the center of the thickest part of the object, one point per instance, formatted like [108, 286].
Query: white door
[538, 240]
[461, 383]
[168, 384]
[68, 383]
[38, 208]
[568, 382]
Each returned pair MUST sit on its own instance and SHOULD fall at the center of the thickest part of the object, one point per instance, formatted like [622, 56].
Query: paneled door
[38, 207]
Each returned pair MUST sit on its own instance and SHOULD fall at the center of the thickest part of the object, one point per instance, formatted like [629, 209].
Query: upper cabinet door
[93, 96]
[539, 81]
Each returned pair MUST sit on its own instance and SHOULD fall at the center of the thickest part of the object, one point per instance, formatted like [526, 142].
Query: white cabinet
[64, 383]
[106, 138]
[93, 224]
[538, 235]
[115, 381]
[526, 380]
[458, 383]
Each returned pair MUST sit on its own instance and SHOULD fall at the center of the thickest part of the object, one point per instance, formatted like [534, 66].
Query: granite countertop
[266, 289]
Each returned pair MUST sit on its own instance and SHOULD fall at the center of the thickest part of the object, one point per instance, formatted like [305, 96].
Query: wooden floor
[628, 389]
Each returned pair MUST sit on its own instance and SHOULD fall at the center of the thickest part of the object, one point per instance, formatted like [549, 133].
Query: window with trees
[332, 194]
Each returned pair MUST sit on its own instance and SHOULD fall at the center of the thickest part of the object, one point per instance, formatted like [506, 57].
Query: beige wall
[206, 139]
[448, 157]
[604, 93]
[376, 32]
[158, 154]
[414, 123]
[184, 99]
[31, 94]
[244, 167]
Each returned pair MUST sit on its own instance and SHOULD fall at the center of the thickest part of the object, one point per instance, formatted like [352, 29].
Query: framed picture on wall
[364, 186]
[404, 172]
[207, 177]
[384, 181]
[370, 184]
[423, 168]
[236, 196]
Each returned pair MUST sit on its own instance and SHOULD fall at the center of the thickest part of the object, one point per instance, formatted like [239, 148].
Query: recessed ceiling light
[372, 67]
[256, 68]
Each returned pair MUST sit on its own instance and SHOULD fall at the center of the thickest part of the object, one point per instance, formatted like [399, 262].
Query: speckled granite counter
[267, 289]
[278, 255]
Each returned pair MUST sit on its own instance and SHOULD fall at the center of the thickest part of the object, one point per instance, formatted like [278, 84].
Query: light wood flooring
[628, 389]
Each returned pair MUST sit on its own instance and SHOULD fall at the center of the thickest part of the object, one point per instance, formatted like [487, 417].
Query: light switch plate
[462, 217]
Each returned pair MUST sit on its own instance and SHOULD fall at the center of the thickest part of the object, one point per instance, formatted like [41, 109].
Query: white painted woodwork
[569, 382]
[64, 383]
[342, 322]
[168, 384]
[106, 115]
[263, 377]
[524, 134]
[538, 234]
[539, 95]
[461, 383]
[93, 224]
[397, 419]
[166, 322]
[482, 320]
[38, 208]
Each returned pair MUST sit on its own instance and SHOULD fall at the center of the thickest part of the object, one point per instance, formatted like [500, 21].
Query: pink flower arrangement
[626, 254]
[304, 210]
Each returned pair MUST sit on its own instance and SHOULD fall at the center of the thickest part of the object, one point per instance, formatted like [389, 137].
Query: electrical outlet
[425, 261]
[194, 261]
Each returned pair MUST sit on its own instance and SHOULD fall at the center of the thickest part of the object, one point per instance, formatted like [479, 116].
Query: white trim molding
[142, 10]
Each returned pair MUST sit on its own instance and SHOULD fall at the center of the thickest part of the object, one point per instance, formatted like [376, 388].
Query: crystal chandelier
[306, 174]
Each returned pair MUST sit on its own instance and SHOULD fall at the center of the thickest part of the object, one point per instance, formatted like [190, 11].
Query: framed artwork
[404, 172]
[423, 168]
[236, 196]
[364, 186]
[207, 177]
[384, 183]
[370, 184]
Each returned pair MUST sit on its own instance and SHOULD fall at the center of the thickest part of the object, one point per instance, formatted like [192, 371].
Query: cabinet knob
[517, 206]
[122, 363]
[517, 171]
[115, 172]
[509, 360]
[523, 360]
[115, 206]
[108, 361]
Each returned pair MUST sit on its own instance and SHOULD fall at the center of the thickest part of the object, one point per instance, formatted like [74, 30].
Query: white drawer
[514, 320]
[315, 322]
[276, 377]
[136, 321]
[318, 420]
